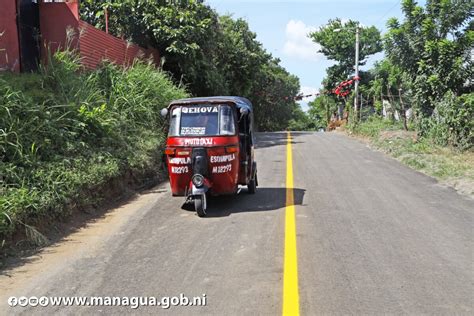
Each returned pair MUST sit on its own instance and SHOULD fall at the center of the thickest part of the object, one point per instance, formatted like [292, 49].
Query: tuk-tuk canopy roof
[240, 102]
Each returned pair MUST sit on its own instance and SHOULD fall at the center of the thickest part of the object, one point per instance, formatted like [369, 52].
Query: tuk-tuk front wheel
[200, 205]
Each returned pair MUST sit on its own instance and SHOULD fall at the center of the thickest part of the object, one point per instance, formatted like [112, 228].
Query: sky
[282, 28]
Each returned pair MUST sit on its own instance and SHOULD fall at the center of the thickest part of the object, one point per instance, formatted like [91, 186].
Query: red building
[9, 41]
[29, 29]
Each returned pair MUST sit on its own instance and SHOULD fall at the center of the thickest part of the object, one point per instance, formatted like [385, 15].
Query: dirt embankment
[106, 196]
[450, 167]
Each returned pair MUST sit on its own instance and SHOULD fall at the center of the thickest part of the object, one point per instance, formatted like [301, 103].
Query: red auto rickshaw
[210, 148]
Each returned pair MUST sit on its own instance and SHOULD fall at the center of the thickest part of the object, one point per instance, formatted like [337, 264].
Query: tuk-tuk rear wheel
[200, 205]
[252, 186]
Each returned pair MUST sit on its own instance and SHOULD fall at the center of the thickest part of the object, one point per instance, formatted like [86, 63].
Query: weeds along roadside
[65, 133]
[430, 154]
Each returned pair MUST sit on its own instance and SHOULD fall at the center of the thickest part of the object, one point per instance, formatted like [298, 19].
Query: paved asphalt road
[372, 237]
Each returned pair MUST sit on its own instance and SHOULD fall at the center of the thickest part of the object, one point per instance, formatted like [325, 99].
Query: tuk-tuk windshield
[202, 120]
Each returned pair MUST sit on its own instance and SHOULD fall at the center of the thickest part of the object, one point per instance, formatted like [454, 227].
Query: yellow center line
[291, 305]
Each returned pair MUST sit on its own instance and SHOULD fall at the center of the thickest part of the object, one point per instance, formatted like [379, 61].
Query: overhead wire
[387, 12]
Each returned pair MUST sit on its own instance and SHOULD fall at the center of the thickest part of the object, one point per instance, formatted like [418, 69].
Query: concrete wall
[9, 44]
[93, 44]
[55, 20]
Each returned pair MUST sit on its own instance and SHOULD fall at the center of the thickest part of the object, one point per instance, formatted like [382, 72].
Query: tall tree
[321, 110]
[433, 46]
[210, 54]
[274, 93]
[239, 55]
[337, 40]
[183, 32]
[391, 83]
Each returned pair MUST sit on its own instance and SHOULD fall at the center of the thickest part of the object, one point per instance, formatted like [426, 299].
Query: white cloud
[298, 44]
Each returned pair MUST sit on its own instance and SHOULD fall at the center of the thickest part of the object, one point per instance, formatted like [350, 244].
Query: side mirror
[164, 112]
[243, 112]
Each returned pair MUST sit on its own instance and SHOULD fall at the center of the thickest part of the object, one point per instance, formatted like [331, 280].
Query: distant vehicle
[210, 148]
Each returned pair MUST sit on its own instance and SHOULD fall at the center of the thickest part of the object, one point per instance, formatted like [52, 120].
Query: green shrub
[374, 125]
[452, 122]
[79, 131]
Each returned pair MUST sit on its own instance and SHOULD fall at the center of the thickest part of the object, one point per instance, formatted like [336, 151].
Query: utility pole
[356, 87]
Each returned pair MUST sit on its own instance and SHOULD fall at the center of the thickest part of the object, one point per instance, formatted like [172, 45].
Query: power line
[389, 10]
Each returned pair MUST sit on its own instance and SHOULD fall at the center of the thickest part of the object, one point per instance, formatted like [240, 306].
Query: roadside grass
[449, 165]
[67, 133]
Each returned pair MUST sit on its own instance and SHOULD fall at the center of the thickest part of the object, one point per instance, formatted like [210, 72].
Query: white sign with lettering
[222, 169]
[179, 170]
[193, 131]
[201, 109]
[180, 160]
[225, 158]
[198, 141]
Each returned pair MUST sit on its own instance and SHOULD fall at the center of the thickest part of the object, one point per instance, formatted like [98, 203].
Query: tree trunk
[392, 104]
[381, 99]
[403, 113]
[328, 114]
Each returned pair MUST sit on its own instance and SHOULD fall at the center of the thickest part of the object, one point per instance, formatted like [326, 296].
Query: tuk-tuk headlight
[198, 180]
